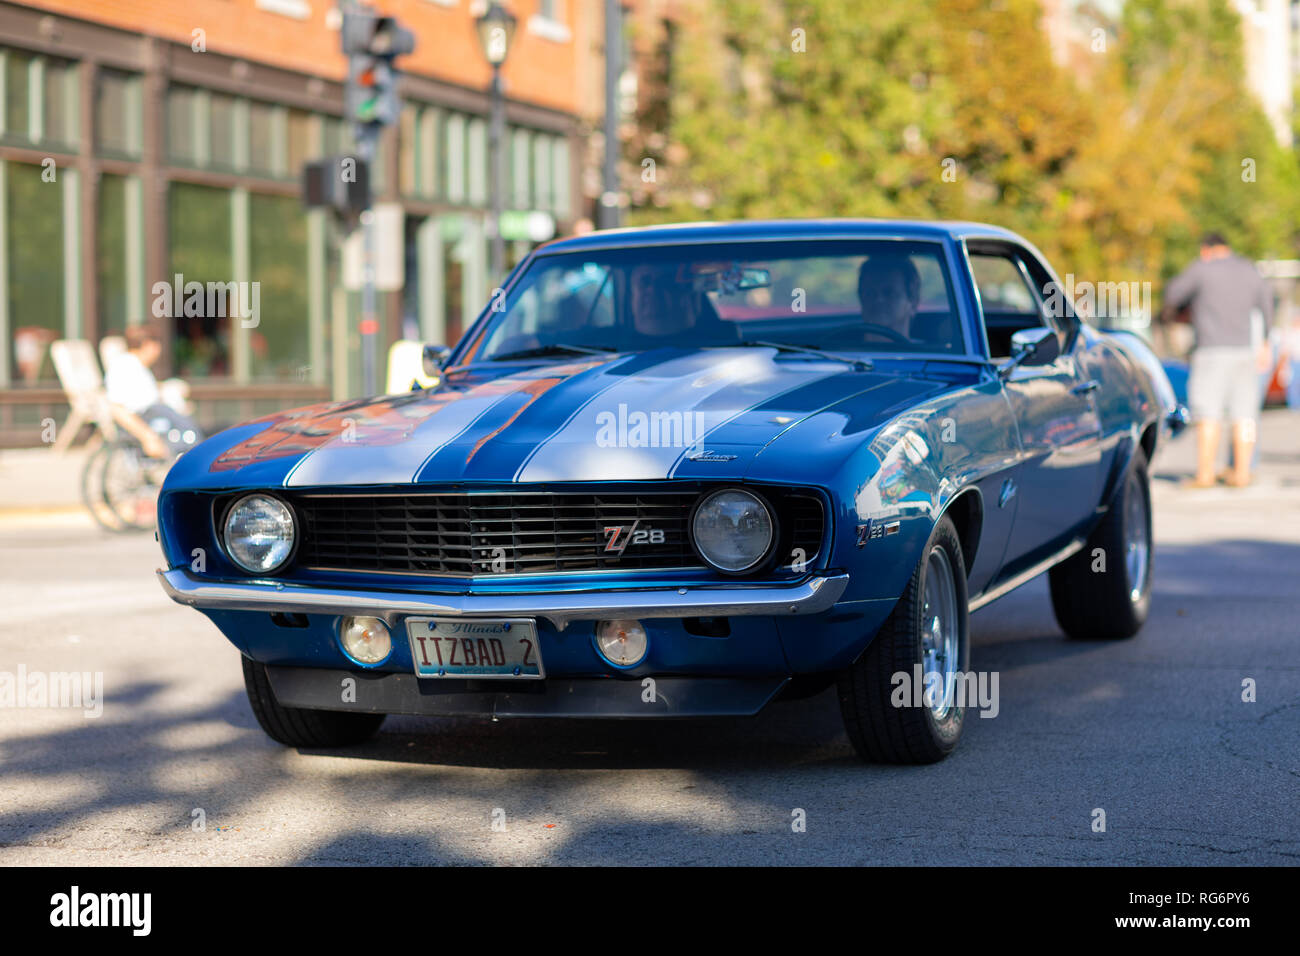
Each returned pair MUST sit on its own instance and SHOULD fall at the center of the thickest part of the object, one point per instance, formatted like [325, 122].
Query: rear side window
[1008, 301]
[1002, 285]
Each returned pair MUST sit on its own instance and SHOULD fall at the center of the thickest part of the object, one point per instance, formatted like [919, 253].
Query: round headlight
[733, 530]
[259, 533]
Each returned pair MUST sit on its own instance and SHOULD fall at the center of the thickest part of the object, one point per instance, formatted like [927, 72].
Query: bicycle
[120, 485]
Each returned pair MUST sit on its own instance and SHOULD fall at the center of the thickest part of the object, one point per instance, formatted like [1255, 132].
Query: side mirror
[435, 356]
[1031, 347]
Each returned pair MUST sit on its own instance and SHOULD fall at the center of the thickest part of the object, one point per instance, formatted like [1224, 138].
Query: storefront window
[543, 188]
[59, 106]
[117, 114]
[453, 276]
[181, 146]
[110, 255]
[35, 253]
[408, 152]
[222, 125]
[334, 137]
[200, 252]
[17, 94]
[560, 176]
[430, 158]
[261, 145]
[520, 169]
[299, 146]
[477, 162]
[455, 144]
[279, 345]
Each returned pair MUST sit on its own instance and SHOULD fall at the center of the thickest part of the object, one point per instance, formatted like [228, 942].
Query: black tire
[298, 727]
[1094, 594]
[880, 731]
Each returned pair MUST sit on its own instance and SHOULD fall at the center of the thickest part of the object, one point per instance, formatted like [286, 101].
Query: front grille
[463, 535]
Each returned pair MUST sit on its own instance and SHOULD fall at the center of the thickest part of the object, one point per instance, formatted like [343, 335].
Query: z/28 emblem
[876, 529]
[619, 536]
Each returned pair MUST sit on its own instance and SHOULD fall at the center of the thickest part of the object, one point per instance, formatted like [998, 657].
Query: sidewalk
[37, 485]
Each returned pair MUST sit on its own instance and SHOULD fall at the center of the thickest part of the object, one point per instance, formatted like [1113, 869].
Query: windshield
[875, 296]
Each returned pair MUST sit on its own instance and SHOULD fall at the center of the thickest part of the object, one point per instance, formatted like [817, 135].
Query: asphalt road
[1153, 731]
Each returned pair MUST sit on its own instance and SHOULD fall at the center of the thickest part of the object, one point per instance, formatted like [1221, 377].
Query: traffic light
[341, 183]
[371, 42]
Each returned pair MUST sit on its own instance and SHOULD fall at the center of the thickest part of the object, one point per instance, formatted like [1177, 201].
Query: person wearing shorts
[1222, 289]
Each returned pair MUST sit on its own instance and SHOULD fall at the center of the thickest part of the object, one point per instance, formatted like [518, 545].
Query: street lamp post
[496, 28]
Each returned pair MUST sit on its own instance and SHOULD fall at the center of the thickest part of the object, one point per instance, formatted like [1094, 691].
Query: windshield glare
[843, 296]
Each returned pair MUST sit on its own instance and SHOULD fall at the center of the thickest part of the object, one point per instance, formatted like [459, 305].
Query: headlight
[733, 530]
[259, 533]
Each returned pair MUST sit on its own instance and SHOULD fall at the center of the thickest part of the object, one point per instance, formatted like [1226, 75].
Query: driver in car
[889, 291]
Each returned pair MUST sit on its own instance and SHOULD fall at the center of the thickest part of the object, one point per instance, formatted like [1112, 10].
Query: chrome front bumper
[736, 600]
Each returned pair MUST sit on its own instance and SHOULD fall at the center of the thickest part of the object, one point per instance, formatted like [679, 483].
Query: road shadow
[142, 752]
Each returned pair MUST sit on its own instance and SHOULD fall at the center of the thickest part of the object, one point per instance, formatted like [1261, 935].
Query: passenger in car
[663, 308]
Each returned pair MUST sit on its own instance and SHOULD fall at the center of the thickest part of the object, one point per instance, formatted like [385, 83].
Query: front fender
[891, 493]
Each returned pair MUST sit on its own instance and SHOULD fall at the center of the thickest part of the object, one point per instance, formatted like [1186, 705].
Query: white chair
[110, 347]
[74, 361]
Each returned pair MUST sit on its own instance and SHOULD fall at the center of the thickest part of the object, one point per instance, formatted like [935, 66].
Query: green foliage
[1113, 164]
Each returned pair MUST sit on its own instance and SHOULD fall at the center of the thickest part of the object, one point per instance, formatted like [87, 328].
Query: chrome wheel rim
[940, 637]
[1137, 542]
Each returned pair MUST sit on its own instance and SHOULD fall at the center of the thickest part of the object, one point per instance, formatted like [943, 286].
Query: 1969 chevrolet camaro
[684, 471]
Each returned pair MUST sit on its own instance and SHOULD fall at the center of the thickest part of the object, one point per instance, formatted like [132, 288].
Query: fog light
[622, 643]
[366, 639]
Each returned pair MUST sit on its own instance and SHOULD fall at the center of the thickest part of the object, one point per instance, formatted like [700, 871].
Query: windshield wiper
[859, 365]
[557, 348]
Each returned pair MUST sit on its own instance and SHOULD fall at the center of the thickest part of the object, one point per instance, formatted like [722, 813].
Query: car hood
[668, 413]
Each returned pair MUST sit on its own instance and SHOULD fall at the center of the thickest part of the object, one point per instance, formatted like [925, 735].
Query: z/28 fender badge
[875, 528]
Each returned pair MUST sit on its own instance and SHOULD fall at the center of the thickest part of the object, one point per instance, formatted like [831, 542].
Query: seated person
[131, 385]
[668, 309]
[889, 291]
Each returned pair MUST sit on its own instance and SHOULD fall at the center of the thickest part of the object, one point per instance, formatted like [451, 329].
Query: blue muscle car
[683, 471]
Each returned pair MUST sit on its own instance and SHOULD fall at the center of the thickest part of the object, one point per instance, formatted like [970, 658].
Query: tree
[957, 109]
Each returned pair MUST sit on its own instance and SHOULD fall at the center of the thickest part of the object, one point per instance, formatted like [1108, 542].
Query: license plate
[475, 647]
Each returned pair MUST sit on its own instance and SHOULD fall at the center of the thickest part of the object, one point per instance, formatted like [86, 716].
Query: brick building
[140, 139]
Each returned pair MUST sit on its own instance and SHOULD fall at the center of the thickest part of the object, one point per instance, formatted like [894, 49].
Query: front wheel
[927, 636]
[298, 727]
[1103, 592]
[92, 489]
[129, 483]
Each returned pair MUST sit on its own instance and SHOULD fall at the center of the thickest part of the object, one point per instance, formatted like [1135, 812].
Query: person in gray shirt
[1222, 290]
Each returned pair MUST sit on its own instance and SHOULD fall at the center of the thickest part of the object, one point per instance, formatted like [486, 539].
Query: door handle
[1084, 388]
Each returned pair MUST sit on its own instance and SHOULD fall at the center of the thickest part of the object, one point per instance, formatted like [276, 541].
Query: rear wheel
[929, 630]
[92, 490]
[1103, 592]
[298, 727]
